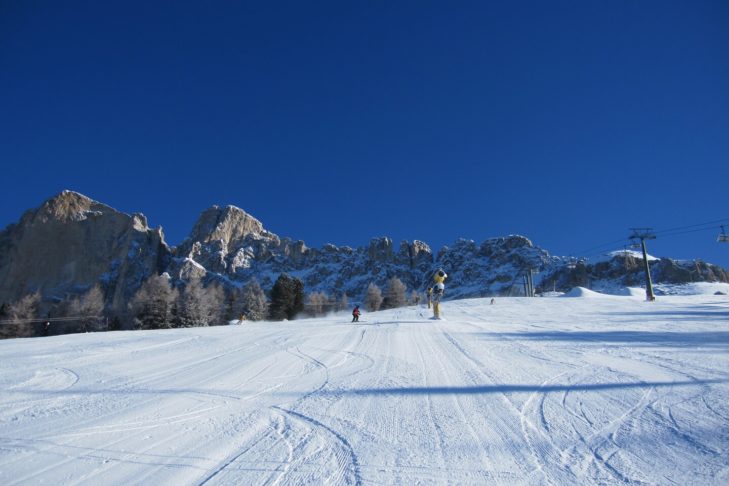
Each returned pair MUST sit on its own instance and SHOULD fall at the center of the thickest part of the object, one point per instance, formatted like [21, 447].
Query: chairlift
[635, 244]
[723, 237]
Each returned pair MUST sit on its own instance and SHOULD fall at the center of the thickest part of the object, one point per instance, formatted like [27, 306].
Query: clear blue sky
[567, 122]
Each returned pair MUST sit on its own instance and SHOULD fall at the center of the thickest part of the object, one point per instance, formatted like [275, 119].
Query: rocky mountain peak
[69, 206]
[228, 224]
[72, 242]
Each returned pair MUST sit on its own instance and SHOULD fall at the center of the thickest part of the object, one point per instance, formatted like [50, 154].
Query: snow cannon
[438, 290]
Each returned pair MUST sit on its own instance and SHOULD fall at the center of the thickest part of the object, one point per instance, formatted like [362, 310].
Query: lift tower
[643, 234]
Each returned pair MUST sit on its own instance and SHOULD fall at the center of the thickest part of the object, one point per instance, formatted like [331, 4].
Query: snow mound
[552, 294]
[631, 292]
[584, 293]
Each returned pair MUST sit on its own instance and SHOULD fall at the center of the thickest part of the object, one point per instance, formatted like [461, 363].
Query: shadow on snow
[487, 389]
[658, 338]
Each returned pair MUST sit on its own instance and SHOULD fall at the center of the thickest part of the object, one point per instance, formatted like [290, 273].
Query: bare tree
[154, 304]
[89, 309]
[215, 303]
[21, 313]
[395, 294]
[317, 303]
[373, 298]
[200, 306]
[253, 301]
[343, 303]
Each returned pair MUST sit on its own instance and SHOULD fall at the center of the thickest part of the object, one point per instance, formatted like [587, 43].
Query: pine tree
[287, 298]
[373, 298]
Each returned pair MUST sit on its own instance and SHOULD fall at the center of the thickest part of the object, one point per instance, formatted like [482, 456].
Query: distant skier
[438, 290]
[355, 314]
[430, 296]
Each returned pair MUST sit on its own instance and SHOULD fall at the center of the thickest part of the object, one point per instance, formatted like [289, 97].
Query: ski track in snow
[526, 391]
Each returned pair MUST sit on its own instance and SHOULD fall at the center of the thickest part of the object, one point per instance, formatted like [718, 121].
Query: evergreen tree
[233, 304]
[395, 294]
[253, 301]
[287, 298]
[373, 298]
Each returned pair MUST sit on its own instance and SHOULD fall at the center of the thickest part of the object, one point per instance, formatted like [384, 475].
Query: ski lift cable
[51, 320]
[713, 223]
[602, 246]
[713, 228]
[599, 249]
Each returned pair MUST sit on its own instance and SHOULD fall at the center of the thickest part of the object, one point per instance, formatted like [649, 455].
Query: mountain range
[72, 242]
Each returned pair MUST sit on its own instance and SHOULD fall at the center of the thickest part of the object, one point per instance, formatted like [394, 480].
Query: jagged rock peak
[70, 206]
[227, 224]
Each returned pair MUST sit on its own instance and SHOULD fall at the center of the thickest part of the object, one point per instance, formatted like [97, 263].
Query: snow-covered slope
[526, 391]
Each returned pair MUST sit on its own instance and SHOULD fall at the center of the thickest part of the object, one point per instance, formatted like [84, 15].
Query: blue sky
[567, 122]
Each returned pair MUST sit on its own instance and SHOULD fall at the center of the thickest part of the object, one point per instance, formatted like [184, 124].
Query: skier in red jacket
[355, 314]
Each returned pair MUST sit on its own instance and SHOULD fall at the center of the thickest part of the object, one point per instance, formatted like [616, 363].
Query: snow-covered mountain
[72, 242]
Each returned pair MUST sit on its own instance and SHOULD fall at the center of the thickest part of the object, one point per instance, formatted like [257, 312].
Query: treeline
[158, 304]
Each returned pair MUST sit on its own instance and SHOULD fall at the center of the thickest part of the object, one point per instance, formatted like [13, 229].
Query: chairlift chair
[723, 237]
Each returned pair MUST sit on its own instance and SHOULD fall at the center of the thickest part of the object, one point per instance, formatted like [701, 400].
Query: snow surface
[525, 391]
[606, 257]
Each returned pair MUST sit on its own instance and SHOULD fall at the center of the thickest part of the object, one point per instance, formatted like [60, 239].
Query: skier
[430, 296]
[355, 314]
[438, 290]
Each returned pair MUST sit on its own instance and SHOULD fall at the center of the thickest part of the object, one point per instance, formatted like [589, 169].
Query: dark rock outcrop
[72, 242]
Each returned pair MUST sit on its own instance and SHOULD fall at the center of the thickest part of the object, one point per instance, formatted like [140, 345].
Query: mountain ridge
[93, 243]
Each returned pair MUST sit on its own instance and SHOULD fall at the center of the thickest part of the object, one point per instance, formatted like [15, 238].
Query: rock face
[627, 270]
[71, 243]
[234, 247]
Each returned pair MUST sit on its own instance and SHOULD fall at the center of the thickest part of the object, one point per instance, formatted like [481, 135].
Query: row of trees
[78, 313]
[394, 295]
[158, 305]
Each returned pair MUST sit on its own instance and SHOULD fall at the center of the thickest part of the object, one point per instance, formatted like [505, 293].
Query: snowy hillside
[585, 390]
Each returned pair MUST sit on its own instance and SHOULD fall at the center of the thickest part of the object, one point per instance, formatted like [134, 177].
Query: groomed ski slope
[584, 390]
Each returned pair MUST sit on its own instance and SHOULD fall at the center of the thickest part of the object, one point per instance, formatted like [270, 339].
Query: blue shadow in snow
[487, 389]
[655, 338]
